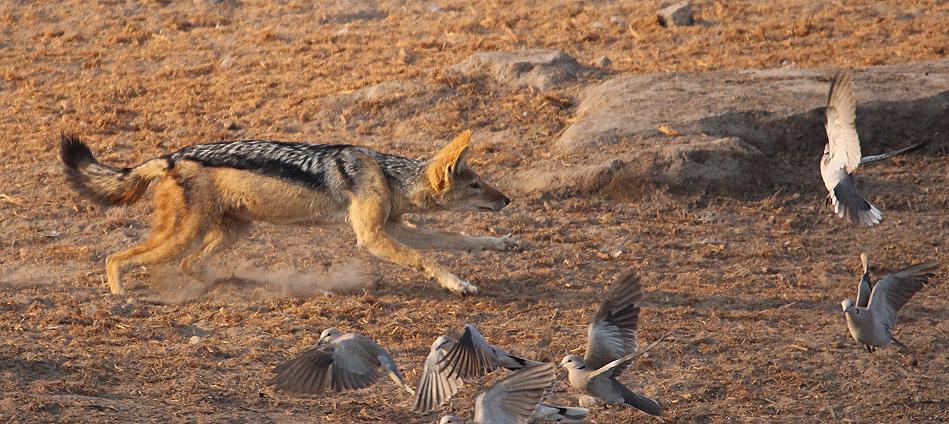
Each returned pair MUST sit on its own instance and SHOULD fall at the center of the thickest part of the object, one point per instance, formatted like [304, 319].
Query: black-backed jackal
[207, 196]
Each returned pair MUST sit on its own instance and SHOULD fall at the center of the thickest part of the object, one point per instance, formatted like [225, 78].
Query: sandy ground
[748, 290]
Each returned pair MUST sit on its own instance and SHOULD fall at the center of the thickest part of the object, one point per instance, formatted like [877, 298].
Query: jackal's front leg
[368, 216]
[423, 238]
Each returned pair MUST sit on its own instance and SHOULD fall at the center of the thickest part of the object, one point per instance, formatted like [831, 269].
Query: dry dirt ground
[746, 287]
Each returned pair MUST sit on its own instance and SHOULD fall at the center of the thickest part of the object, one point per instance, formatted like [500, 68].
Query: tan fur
[200, 211]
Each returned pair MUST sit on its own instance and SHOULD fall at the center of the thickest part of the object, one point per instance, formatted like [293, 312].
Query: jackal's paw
[506, 242]
[118, 290]
[458, 286]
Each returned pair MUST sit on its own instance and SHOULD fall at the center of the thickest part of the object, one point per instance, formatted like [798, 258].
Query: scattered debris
[669, 131]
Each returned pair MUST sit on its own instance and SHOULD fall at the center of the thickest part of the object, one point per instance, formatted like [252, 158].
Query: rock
[122, 309]
[406, 56]
[602, 62]
[541, 69]
[195, 340]
[679, 14]
[346, 11]
[720, 166]
[195, 330]
[587, 401]
[774, 110]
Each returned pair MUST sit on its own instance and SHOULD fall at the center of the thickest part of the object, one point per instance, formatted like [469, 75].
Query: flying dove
[435, 386]
[512, 400]
[610, 348]
[873, 316]
[474, 357]
[340, 361]
[842, 154]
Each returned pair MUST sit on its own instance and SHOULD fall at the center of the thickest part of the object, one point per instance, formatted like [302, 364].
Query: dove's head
[451, 419]
[441, 343]
[329, 334]
[849, 307]
[571, 362]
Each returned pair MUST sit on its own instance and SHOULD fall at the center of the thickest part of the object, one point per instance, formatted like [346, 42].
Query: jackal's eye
[474, 185]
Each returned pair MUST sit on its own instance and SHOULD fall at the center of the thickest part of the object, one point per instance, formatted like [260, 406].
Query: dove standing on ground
[471, 356]
[512, 400]
[340, 361]
[872, 318]
[842, 154]
[611, 345]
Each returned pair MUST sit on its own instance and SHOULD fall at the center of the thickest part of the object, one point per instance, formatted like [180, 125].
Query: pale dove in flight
[512, 400]
[611, 345]
[340, 361]
[472, 357]
[842, 154]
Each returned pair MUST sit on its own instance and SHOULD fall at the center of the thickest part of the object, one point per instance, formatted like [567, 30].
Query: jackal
[206, 196]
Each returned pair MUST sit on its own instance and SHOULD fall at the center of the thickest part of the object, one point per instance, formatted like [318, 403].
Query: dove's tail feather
[849, 204]
[639, 401]
[515, 363]
[559, 414]
[870, 159]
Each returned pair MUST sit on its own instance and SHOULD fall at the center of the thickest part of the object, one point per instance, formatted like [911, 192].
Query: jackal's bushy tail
[102, 183]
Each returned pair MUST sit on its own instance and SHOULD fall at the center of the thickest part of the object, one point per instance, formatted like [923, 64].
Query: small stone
[122, 309]
[602, 62]
[195, 340]
[587, 401]
[679, 14]
[406, 56]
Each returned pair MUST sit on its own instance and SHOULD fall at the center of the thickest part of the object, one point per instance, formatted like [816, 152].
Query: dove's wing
[863, 290]
[346, 363]
[841, 124]
[894, 290]
[471, 357]
[612, 333]
[435, 387]
[513, 399]
[308, 372]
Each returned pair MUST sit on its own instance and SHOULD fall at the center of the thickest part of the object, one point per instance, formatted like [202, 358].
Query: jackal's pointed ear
[448, 162]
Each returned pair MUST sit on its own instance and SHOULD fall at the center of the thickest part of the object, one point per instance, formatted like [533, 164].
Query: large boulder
[721, 166]
[775, 109]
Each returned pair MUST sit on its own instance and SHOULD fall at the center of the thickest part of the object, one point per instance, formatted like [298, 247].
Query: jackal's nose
[507, 201]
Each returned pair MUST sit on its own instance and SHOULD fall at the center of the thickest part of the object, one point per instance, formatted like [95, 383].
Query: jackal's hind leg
[175, 232]
[424, 238]
[221, 235]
